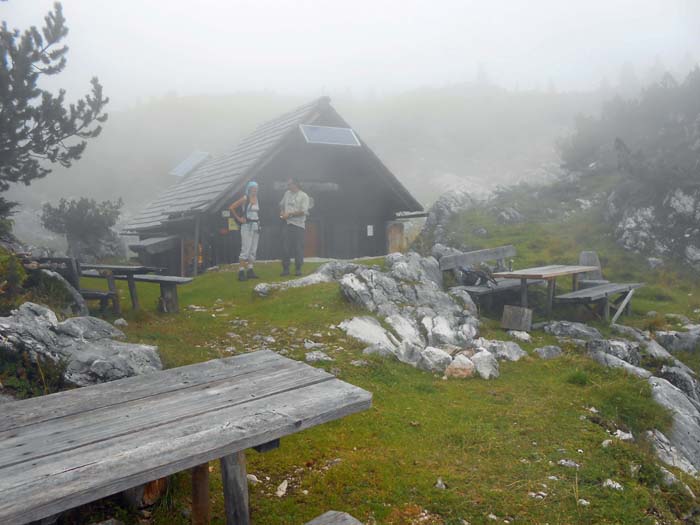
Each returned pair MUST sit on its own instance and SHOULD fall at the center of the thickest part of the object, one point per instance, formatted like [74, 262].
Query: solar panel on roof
[329, 135]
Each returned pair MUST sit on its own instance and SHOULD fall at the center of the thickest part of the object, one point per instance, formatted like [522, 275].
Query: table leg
[200, 495]
[523, 293]
[233, 475]
[132, 292]
[551, 288]
[168, 298]
[574, 282]
[116, 305]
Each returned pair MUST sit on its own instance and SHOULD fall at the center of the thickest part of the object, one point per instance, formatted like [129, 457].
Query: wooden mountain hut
[359, 205]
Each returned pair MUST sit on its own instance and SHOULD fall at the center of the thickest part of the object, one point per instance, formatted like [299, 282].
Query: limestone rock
[84, 344]
[461, 367]
[685, 431]
[669, 454]
[486, 364]
[625, 350]
[521, 336]
[573, 330]
[683, 380]
[611, 361]
[679, 341]
[548, 352]
[502, 350]
[369, 331]
[434, 360]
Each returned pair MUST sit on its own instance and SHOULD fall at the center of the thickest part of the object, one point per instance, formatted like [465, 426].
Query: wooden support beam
[200, 495]
[606, 308]
[267, 447]
[116, 306]
[235, 481]
[624, 304]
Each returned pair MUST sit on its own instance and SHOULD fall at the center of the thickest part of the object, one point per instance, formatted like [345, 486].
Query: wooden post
[195, 265]
[200, 495]
[574, 282]
[168, 298]
[182, 257]
[551, 288]
[132, 292]
[116, 306]
[523, 293]
[233, 475]
[606, 308]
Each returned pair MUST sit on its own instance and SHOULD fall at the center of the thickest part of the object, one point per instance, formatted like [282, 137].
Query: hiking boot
[298, 273]
[250, 274]
[284, 273]
[242, 276]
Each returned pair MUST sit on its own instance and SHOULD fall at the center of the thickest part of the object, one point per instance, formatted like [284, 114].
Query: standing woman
[250, 230]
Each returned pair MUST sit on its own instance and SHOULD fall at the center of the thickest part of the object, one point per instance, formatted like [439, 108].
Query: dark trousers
[292, 246]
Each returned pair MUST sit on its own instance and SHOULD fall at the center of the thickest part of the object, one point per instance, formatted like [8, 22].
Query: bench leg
[132, 292]
[168, 298]
[233, 475]
[523, 293]
[200, 495]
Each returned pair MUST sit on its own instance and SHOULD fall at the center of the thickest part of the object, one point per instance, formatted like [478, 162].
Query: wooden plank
[622, 306]
[71, 432]
[158, 279]
[450, 262]
[201, 514]
[545, 272]
[333, 517]
[69, 479]
[61, 404]
[503, 285]
[597, 293]
[235, 481]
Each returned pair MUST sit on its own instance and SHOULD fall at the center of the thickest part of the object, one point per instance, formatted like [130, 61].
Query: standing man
[294, 207]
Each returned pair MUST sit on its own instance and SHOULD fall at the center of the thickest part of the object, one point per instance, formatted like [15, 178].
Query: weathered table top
[546, 272]
[70, 448]
[123, 269]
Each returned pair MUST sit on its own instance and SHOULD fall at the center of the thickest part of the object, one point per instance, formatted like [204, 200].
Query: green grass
[492, 442]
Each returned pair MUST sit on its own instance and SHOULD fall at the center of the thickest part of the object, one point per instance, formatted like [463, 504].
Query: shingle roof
[196, 191]
[191, 163]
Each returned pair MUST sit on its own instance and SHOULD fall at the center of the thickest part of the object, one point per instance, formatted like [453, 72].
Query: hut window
[329, 135]
[370, 230]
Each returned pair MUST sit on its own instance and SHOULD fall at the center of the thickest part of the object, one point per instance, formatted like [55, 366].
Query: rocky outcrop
[572, 330]
[326, 273]
[665, 226]
[443, 211]
[86, 345]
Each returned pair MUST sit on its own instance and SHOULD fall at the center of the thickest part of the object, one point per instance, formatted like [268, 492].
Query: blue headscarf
[251, 184]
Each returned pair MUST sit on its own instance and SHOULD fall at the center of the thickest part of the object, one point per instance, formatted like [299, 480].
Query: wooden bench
[67, 449]
[70, 269]
[472, 259]
[168, 302]
[603, 293]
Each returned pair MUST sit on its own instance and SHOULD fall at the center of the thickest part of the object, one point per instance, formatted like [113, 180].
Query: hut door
[312, 239]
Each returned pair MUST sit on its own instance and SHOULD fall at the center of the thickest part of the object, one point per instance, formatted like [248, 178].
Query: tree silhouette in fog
[38, 128]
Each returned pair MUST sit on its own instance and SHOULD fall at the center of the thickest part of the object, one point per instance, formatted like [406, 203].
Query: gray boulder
[625, 350]
[572, 330]
[486, 364]
[685, 431]
[668, 453]
[612, 361]
[679, 341]
[442, 211]
[462, 297]
[682, 379]
[84, 344]
[461, 367]
[502, 350]
[548, 352]
[440, 250]
[434, 360]
[369, 331]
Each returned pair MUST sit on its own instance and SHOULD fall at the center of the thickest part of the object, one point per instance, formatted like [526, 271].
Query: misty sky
[143, 48]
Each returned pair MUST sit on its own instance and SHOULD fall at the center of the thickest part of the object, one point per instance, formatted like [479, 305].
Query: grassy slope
[491, 442]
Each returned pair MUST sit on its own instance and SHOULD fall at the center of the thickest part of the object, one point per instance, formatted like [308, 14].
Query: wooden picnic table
[548, 273]
[128, 271]
[70, 448]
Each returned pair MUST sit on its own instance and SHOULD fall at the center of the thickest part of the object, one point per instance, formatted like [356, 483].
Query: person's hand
[242, 220]
[284, 216]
